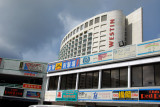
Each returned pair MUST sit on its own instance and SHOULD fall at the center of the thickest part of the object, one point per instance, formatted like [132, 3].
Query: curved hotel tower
[100, 33]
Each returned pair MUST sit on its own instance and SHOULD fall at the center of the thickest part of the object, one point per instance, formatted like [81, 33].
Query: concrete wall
[134, 28]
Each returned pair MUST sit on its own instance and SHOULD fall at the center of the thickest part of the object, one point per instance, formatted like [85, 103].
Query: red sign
[111, 34]
[32, 86]
[149, 94]
[13, 92]
[59, 94]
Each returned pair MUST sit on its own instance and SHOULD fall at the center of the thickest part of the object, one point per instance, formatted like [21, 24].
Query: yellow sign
[124, 94]
[58, 66]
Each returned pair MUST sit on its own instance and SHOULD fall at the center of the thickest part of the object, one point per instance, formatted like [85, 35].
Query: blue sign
[86, 59]
[66, 64]
[33, 94]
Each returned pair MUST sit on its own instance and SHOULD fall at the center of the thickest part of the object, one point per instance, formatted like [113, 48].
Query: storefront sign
[67, 95]
[125, 95]
[32, 86]
[13, 92]
[33, 94]
[66, 64]
[96, 58]
[29, 73]
[148, 48]
[31, 66]
[50, 96]
[124, 52]
[84, 95]
[149, 95]
[98, 95]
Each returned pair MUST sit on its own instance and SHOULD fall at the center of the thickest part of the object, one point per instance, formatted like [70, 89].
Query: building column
[129, 76]
[59, 82]
[77, 81]
[99, 80]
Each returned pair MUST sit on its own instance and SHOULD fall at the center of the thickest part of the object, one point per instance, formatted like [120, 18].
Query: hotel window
[86, 24]
[68, 81]
[53, 83]
[96, 20]
[88, 80]
[146, 75]
[81, 27]
[103, 18]
[77, 29]
[90, 22]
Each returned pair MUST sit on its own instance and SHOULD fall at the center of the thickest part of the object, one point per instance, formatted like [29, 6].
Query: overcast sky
[33, 29]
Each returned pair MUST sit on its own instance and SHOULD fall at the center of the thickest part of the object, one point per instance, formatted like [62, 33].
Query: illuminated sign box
[149, 95]
[13, 92]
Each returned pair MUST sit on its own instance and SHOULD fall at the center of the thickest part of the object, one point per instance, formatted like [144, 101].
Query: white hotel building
[102, 32]
[104, 63]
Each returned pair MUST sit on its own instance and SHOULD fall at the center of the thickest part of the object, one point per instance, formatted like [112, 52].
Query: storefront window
[53, 83]
[148, 75]
[157, 74]
[115, 78]
[136, 76]
[123, 77]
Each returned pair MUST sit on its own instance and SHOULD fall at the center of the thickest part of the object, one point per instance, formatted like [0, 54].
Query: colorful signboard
[31, 66]
[67, 95]
[32, 86]
[33, 94]
[98, 95]
[124, 52]
[13, 92]
[148, 48]
[149, 95]
[96, 58]
[66, 64]
[124, 95]
[29, 73]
